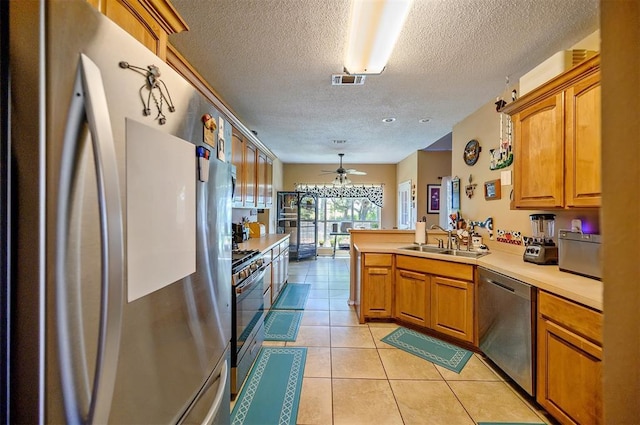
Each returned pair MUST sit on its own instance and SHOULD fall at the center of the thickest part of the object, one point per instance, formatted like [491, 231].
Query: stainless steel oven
[248, 315]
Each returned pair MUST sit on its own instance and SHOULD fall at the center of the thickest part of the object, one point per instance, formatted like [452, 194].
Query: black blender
[541, 249]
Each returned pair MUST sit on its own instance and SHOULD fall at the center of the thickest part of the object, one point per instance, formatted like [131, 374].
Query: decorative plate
[472, 152]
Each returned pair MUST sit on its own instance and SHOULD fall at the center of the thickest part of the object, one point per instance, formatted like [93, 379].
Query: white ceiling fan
[341, 178]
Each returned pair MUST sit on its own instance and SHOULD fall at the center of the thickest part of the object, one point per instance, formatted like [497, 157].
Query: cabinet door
[237, 154]
[268, 201]
[569, 375]
[250, 174]
[413, 295]
[268, 282]
[285, 265]
[452, 307]
[582, 145]
[539, 155]
[262, 179]
[377, 292]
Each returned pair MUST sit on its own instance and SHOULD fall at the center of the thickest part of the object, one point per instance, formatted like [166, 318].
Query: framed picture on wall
[433, 198]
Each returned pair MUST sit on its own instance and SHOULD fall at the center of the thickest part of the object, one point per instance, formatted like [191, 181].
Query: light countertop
[263, 243]
[577, 288]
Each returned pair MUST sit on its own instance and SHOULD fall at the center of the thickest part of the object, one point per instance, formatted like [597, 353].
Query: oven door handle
[251, 280]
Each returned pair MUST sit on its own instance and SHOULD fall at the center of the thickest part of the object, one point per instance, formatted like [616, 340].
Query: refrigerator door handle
[90, 102]
[217, 401]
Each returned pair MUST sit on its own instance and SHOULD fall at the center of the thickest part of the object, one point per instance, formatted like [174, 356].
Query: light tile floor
[351, 377]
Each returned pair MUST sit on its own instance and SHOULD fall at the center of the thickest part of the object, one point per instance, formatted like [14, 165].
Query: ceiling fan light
[373, 32]
[341, 180]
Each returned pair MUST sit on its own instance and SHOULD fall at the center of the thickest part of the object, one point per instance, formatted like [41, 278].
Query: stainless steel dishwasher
[506, 308]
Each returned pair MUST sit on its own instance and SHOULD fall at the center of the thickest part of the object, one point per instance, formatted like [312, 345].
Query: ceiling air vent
[347, 80]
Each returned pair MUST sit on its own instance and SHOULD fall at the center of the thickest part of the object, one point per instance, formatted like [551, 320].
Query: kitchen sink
[424, 248]
[453, 252]
[461, 253]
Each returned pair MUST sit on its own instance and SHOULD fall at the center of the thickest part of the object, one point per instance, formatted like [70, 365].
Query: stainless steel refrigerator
[116, 236]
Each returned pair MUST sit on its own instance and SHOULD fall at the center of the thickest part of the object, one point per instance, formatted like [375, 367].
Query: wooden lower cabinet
[279, 268]
[433, 294]
[413, 293]
[569, 361]
[452, 307]
[377, 286]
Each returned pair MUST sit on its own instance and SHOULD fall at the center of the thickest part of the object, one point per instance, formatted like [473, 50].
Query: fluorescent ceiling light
[373, 32]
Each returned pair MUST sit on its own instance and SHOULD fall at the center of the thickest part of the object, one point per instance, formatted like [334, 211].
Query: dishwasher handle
[502, 285]
[516, 287]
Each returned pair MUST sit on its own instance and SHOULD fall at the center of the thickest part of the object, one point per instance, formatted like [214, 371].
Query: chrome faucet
[435, 226]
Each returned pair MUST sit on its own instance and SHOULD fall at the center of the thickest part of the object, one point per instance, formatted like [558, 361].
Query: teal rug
[271, 393]
[282, 325]
[293, 297]
[429, 348]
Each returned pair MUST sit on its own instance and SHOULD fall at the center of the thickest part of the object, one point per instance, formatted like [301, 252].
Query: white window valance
[370, 191]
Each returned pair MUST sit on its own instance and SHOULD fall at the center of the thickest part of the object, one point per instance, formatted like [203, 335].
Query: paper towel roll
[421, 232]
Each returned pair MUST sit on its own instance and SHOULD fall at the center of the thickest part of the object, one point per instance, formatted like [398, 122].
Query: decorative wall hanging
[511, 237]
[455, 193]
[157, 89]
[374, 193]
[487, 224]
[468, 189]
[502, 156]
[471, 152]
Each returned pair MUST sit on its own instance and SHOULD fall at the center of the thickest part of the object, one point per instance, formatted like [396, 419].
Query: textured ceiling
[272, 60]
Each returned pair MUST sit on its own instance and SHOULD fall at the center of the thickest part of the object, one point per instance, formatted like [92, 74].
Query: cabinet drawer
[579, 319]
[385, 260]
[435, 267]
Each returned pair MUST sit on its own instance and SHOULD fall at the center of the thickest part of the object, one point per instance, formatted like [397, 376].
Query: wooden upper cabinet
[583, 147]
[253, 173]
[237, 159]
[268, 201]
[556, 129]
[539, 149]
[149, 21]
[250, 174]
[262, 179]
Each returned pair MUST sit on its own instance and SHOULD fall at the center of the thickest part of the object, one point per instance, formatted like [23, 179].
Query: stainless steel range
[248, 313]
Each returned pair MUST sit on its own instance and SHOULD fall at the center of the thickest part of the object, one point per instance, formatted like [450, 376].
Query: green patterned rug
[282, 325]
[271, 393]
[293, 297]
[429, 348]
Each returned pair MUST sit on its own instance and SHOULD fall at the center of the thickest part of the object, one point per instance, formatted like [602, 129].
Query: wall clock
[471, 152]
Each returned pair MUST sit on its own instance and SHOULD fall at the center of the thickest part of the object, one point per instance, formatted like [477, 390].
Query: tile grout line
[395, 398]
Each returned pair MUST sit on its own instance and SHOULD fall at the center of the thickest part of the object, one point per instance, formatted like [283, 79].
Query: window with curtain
[339, 214]
[342, 207]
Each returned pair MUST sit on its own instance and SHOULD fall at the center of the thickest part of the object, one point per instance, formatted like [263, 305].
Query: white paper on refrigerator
[161, 209]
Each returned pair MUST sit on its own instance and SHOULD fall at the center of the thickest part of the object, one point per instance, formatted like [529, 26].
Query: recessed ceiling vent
[347, 80]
